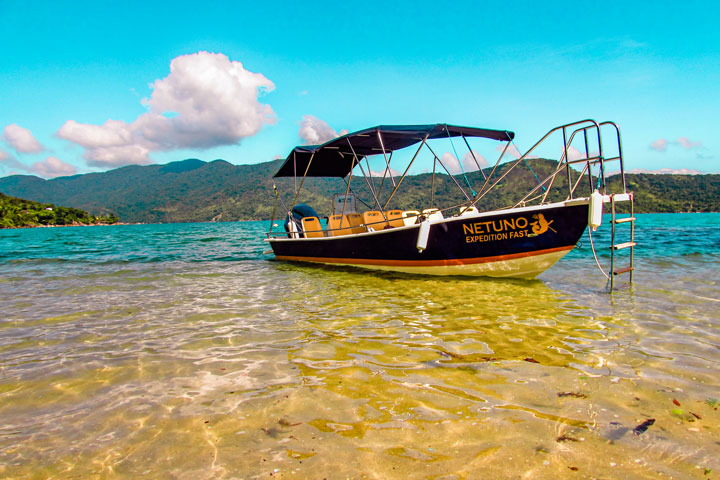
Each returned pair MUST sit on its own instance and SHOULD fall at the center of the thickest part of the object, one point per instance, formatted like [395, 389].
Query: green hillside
[185, 191]
[673, 193]
[193, 190]
[16, 212]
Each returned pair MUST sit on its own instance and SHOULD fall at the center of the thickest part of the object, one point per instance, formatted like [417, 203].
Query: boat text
[506, 228]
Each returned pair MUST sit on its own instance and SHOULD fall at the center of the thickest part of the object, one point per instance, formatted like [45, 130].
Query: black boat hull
[521, 242]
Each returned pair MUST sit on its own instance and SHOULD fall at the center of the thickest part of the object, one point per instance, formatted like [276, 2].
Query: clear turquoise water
[184, 351]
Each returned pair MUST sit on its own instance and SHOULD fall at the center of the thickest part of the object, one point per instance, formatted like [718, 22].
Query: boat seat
[312, 227]
[470, 210]
[355, 220]
[432, 214]
[338, 225]
[410, 217]
[395, 218]
[374, 220]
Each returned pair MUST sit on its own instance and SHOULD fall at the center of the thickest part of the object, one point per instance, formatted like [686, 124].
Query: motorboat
[368, 226]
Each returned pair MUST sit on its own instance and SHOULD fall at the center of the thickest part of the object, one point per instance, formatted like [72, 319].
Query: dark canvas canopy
[336, 157]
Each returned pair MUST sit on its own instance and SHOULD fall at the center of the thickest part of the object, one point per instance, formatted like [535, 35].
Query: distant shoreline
[72, 225]
[261, 220]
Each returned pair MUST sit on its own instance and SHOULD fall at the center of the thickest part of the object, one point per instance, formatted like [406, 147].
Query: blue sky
[319, 68]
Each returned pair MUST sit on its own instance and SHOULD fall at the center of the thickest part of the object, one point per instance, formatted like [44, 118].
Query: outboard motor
[299, 212]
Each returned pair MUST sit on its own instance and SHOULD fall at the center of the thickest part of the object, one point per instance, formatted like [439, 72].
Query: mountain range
[193, 190]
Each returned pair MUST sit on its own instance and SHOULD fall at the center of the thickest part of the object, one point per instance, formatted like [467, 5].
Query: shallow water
[183, 351]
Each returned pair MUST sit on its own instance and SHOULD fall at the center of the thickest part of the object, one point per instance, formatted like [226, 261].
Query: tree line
[17, 212]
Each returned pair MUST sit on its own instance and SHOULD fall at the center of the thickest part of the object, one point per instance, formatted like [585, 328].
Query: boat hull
[518, 243]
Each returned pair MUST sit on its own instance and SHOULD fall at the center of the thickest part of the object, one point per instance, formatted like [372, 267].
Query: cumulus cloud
[471, 164]
[450, 162]
[468, 164]
[512, 150]
[207, 100]
[659, 145]
[574, 154]
[384, 173]
[53, 167]
[314, 131]
[21, 139]
[687, 143]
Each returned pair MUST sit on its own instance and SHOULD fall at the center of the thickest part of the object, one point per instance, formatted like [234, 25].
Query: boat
[468, 237]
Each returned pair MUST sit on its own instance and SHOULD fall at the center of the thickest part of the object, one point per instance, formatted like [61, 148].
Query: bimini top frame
[339, 156]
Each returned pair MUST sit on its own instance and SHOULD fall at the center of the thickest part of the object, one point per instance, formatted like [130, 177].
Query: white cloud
[687, 143]
[662, 171]
[314, 131]
[53, 167]
[469, 163]
[574, 154]
[111, 133]
[383, 173]
[21, 139]
[512, 150]
[659, 145]
[206, 101]
[450, 162]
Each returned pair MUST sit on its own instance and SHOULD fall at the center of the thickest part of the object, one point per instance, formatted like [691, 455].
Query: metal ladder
[620, 246]
[589, 136]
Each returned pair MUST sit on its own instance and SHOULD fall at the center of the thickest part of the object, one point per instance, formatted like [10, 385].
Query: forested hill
[673, 193]
[184, 191]
[18, 212]
[194, 190]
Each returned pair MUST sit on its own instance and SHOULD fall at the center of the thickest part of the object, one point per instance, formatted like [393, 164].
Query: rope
[599, 178]
[595, 254]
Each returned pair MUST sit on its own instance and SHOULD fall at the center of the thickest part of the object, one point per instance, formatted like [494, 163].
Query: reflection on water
[183, 352]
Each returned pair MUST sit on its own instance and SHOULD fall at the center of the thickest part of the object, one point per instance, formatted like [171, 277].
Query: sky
[88, 86]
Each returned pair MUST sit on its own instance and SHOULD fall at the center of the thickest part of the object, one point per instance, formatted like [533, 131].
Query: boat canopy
[337, 157]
